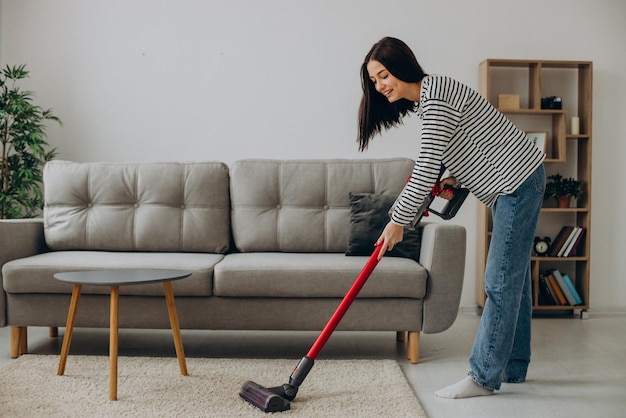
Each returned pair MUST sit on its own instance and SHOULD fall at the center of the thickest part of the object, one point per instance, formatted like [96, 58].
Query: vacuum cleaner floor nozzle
[263, 398]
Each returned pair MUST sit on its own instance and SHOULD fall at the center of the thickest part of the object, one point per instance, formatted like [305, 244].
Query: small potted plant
[23, 153]
[563, 189]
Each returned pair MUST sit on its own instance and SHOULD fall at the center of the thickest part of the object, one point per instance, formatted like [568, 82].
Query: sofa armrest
[443, 256]
[19, 238]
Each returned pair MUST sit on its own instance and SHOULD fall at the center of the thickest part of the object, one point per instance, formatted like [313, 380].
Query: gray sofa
[265, 240]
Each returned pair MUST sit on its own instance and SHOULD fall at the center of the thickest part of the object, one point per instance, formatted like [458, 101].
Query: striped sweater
[480, 147]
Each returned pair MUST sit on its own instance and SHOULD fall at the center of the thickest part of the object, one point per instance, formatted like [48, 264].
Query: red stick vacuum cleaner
[277, 399]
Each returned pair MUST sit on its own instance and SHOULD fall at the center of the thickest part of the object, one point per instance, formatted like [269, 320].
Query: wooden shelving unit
[567, 154]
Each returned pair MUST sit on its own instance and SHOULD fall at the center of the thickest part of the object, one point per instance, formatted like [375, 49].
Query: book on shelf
[572, 288]
[545, 293]
[573, 247]
[567, 292]
[560, 239]
[567, 241]
[556, 290]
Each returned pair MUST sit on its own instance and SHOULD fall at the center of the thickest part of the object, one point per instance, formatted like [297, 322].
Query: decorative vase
[564, 201]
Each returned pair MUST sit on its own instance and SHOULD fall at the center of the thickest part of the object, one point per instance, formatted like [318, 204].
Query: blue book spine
[570, 286]
[564, 288]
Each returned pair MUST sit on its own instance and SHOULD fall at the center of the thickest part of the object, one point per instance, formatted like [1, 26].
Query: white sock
[465, 388]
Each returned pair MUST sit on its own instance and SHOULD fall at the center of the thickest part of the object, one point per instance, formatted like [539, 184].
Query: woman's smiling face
[388, 85]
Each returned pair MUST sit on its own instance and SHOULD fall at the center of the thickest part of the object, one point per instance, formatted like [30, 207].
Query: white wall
[148, 80]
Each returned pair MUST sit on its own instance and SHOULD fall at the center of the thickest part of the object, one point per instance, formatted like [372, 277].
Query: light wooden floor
[578, 367]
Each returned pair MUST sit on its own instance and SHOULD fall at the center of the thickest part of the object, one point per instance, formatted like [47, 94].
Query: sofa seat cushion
[35, 274]
[288, 275]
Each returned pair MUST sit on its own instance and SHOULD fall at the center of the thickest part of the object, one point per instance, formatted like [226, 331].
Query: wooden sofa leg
[19, 341]
[413, 347]
[400, 336]
[23, 340]
[15, 342]
[54, 332]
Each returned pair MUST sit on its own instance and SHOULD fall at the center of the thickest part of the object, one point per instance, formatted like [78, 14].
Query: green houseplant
[563, 189]
[22, 132]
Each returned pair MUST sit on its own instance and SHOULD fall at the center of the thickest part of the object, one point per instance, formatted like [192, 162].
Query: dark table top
[121, 277]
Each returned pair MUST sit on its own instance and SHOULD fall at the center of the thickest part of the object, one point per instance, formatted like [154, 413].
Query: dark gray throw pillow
[368, 217]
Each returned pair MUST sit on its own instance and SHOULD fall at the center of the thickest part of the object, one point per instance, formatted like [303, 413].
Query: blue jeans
[501, 350]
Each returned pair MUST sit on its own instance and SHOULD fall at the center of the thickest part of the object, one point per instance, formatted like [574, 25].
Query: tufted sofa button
[90, 205]
[279, 206]
[325, 207]
[182, 206]
[136, 205]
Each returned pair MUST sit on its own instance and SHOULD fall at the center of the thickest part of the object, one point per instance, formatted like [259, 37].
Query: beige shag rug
[153, 387]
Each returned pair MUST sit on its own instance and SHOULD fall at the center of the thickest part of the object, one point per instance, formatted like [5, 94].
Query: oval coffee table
[115, 279]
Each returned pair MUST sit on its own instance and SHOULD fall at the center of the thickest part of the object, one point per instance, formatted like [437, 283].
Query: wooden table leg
[113, 339]
[69, 328]
[178, 341]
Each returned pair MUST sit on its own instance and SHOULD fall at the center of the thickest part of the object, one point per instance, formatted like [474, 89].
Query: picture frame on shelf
[539, 138]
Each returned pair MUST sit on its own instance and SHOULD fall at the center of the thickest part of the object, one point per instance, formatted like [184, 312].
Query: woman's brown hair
[375, 112]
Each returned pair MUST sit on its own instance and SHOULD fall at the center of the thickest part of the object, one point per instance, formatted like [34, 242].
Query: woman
[486, 153]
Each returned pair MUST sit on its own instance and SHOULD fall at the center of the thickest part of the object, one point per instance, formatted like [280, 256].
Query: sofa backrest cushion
[137, 207]
[304, 205]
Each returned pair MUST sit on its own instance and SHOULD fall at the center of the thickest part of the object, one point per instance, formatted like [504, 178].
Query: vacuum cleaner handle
[449, 211]
[452, 207]
[344, 305]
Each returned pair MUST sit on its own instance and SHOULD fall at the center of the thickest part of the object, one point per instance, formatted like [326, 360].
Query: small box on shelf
[508, 102]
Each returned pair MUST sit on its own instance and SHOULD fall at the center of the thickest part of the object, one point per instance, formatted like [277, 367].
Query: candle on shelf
[575, 125]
